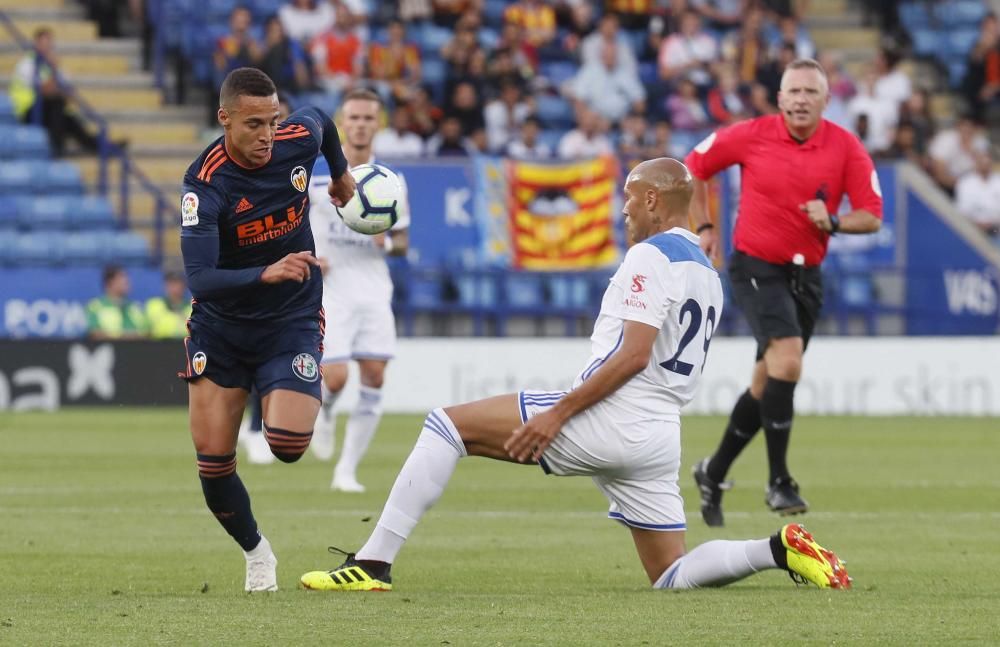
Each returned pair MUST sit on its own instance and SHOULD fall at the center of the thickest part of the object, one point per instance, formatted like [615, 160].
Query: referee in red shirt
[795, 169]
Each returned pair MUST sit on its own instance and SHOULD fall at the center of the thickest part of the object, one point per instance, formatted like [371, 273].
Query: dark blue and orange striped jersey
[235, 221]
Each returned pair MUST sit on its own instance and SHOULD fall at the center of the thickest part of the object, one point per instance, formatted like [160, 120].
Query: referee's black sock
[228, 499]
[744, 423]
[777, 409]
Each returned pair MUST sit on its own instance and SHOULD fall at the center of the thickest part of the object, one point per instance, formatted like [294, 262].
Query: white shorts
[358, 331]
[635, 465]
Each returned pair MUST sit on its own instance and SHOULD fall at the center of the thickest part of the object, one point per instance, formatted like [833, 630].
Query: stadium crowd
[636, 78]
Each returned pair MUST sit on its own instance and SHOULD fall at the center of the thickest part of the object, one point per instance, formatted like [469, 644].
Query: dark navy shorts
[268, 357]
[777, 300]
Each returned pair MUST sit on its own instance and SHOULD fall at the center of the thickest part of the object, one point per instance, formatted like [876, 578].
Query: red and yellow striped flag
[561, 214]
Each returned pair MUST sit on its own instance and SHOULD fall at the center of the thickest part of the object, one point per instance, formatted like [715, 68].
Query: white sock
[716, 563]
[262, 548]
[419, 485]
[361, 426]
[329, 398]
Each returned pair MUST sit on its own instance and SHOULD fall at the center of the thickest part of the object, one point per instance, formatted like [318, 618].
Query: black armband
[702, 227]
[834, 223]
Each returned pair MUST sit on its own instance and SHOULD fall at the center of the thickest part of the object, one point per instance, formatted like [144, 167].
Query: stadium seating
[23, 142]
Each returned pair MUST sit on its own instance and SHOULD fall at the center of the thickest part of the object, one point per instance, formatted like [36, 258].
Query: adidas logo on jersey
[244, 205]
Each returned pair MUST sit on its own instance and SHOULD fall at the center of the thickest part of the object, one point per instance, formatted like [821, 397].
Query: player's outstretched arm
[708, 237]
[532, 438]
[294, 267]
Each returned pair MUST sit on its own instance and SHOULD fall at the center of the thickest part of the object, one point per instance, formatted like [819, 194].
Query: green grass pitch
[105, 540]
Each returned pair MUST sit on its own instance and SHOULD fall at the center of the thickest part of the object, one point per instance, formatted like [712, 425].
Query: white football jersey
[358, 271]
[667, 282]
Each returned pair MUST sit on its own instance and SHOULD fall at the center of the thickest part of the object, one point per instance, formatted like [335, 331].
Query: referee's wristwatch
[834, 223]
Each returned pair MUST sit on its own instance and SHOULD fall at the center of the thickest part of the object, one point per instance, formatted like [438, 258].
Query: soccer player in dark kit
[795, 168]
[257, 318]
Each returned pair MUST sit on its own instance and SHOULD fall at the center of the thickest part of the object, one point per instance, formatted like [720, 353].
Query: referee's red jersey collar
[815, 140]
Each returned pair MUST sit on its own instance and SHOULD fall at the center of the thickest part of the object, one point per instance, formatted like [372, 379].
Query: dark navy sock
[744, 423]
[777, 408]
[228, 499]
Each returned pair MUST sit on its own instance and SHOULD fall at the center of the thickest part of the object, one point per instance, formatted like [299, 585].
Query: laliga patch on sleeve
[189, 210]
[705, 144]
[876, 187]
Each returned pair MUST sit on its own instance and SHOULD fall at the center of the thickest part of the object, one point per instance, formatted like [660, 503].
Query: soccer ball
[373, 209]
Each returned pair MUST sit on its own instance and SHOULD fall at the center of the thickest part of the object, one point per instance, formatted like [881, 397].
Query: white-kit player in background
[357, 298]
[620, 424]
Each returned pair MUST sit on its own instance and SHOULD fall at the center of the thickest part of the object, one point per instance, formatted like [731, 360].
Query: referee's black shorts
[777, 300]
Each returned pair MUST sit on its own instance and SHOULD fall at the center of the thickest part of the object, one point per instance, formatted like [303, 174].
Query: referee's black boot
[711, 495]
[783, 497]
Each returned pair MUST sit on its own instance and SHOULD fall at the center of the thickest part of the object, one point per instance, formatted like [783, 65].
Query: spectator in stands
[304, 20]
[747, 48]
[576, 17]
[916, 111]
[892, 84]
[398, 140]
[982, 80]
[537, 19]
[468, 109]
[685, 109]
[664, 144]
[633, 14]
[953, 151]
[790, 30]
[726, 104]
[238, 48]
[609, 33]
[688, 53]
[722, 14]
[463, 54]
[904, 147]
[636, 140]
[881, 114]
[770, 73]
[448, 12]
[414, 11]
[337, 54]
[760, 101]
[114, 315]
[527, 145]
[977, 195]
[283, 59]
[50, 104]
[449, 142]
[424, 115]
[167, 316]
[842, 89]
[525, 54]
[588, 139]
[610, 89]
[395, 66]
[504, 116]
[506, 66]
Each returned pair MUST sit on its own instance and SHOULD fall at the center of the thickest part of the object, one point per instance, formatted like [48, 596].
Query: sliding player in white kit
[620, 424]
[357, 299]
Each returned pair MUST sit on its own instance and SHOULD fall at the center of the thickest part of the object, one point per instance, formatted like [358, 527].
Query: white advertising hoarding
[855, 376]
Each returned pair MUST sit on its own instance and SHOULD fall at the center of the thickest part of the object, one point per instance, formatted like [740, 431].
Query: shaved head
[671, 180]
[657, 197]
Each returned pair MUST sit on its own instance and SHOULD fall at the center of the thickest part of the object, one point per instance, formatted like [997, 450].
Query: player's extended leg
[215, 414]
[744, 423]
[324, 439]
[479, 429]
[720, 562]
[289, 417]
[361, 425]
[784, 366]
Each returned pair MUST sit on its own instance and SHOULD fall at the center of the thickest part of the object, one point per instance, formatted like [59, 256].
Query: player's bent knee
[287, 446]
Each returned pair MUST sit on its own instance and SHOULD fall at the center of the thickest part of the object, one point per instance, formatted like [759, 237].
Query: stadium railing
[107, 151]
